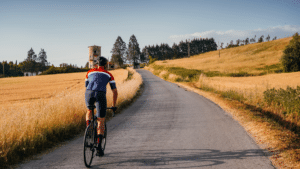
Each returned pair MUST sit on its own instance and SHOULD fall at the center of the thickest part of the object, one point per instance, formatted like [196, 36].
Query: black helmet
[101, 61]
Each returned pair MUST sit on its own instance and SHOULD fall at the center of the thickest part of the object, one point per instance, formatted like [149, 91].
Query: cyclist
[95, 83]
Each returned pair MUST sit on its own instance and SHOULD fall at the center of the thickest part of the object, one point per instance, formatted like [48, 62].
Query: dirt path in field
[167, 127]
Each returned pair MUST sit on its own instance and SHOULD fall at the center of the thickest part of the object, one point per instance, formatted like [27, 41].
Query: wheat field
[35, 111]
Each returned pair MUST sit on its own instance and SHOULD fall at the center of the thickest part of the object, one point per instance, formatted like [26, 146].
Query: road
[166, 127]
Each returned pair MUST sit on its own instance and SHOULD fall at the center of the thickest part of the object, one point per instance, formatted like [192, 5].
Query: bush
[151, 60]
[291, 57]
[288, 99]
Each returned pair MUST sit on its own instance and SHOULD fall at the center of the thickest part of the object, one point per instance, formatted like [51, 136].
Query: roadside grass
[260, 99]
[32, 128]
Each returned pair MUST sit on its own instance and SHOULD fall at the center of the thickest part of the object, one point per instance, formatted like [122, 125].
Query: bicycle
[90, 138]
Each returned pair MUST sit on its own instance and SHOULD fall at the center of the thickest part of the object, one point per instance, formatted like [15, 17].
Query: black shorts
[97, 98]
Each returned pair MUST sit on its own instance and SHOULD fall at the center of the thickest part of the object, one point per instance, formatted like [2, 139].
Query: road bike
[90, 138]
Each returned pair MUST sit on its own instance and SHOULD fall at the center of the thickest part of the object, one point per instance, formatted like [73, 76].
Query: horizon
[65, 29]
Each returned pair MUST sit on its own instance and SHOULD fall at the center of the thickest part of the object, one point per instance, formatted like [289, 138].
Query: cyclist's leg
[89, 101]
[101, 111]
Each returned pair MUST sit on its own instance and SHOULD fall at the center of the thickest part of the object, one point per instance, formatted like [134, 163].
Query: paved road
[167, 127]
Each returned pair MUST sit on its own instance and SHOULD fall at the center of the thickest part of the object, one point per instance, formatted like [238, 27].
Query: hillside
[257, 58]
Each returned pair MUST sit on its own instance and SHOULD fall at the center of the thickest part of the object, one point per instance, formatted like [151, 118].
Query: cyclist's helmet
[101, 61]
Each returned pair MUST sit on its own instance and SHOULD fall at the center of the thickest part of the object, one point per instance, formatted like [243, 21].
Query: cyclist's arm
[86, 78]
[115, 96]
[113, 88]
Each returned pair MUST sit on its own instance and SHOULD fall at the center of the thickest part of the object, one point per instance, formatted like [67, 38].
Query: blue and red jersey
[97, 79]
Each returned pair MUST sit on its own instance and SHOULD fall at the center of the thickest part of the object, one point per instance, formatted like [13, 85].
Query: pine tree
[261, 39]
[246, 41]
[118, 51]
[42, 59]
[31, 56]
[133, 51]
[268, 38]
[30, 62]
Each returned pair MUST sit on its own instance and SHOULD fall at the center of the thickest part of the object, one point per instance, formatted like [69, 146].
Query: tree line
[181, 50]
[241, 42]
[32, 63]
[131, 53]
[35, 63]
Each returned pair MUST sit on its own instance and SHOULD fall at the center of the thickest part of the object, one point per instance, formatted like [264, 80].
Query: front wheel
[88, 146]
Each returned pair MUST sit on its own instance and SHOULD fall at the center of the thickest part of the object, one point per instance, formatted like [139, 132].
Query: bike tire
[89, 145]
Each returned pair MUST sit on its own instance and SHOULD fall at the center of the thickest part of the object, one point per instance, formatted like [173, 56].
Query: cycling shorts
[97, 98]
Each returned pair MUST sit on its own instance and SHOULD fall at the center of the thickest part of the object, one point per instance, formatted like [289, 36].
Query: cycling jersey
[97, 79]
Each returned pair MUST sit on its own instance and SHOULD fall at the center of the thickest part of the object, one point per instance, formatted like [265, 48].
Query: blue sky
[65, 28]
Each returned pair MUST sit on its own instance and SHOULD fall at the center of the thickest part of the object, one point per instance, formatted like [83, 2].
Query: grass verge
[274, 133]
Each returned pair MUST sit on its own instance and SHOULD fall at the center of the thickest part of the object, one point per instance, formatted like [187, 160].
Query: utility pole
[189, 48]
[219, 49]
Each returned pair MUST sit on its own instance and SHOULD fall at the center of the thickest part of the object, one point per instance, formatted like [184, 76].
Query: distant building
[31, 73]
[94, 53]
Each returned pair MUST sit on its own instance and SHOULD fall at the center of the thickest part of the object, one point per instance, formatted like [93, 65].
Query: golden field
[248, 58]
[37, 111]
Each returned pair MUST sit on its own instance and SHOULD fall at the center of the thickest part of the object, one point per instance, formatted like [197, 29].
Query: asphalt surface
[167, 127]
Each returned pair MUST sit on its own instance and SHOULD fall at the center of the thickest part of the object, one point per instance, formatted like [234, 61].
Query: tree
[261, 39]
[144, 55]
[253, 39]
[133, 51]
[238, 42]
[86, 65]
[291, 57]
[42, 59]
[118, 51]
[222, 45]
[268, 38]
[275, 38]
[30, 62]
[246, 41]
[183, 49]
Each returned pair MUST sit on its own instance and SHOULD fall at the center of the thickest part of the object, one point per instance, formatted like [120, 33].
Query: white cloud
[227, 36]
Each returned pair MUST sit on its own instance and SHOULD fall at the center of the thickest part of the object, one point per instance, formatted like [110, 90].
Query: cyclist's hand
[114, 109]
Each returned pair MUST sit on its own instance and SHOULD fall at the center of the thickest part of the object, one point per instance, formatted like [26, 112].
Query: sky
[65, 28]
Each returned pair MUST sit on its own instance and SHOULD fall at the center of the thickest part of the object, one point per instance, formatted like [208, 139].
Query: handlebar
[114, 109]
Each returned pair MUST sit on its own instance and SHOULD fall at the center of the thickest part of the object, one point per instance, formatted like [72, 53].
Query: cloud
[227, 36]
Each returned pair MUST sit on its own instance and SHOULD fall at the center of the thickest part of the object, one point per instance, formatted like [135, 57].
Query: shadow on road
[178, 158]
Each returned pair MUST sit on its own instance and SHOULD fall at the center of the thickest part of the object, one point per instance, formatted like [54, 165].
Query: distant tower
[94, 53]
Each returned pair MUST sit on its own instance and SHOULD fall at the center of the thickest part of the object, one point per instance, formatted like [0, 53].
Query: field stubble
[37, 112]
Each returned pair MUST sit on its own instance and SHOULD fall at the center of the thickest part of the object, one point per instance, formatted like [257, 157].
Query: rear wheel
[88, 145]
